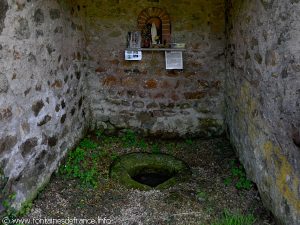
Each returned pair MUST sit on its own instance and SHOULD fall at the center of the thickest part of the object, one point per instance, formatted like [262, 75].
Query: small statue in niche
[153, 33]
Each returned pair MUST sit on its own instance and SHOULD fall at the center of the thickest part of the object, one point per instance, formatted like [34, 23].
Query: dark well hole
[152, 177]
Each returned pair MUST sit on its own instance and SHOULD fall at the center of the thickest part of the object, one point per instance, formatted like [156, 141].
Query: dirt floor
[202, 199]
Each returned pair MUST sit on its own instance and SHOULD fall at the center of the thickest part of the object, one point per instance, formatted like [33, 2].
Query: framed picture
[134, 39]
[173, 60]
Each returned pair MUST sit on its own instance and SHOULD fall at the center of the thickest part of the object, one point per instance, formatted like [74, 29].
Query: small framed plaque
[174, 60]
[133, 55]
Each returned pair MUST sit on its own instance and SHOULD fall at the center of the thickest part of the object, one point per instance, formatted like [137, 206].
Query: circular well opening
[146, 171]
[152, 176]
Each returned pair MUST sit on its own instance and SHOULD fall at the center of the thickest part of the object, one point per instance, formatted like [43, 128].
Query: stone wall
[42, 95]
[143, 95]
[263, 98]
[62, 70]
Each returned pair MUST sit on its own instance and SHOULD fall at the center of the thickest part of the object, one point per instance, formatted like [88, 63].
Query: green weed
[238, 176]
[201, 195]
[82, 163]
[129, 139]
[170, 147]
[11, 213]
[142, 144]
[88, 144]
[99, 133]
[189, 141]
[155, 149]
[235, 219]
[109, 140]
[114, 156]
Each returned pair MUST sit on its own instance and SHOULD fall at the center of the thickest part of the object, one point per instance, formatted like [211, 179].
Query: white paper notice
[173, 60]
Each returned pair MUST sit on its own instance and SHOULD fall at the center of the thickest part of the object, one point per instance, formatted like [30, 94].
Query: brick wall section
[145, 96]
[146, 14]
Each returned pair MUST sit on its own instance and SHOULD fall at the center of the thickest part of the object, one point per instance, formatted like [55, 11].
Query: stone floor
[200, 200]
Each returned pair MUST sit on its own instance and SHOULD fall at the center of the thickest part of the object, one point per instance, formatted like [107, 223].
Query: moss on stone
[212, 127]
[130, 164]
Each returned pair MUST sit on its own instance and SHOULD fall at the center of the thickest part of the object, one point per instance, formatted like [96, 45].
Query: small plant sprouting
[170, 147]
[82, 163]
[238, 175]
[189, 141]
[88, 144]
[11, 213]
[235, 219]
[142, 144]
[155, 149]
[99, 133]
[243, 183]
[201, 195]
[114, 156]
[129, 139]
[227, 181]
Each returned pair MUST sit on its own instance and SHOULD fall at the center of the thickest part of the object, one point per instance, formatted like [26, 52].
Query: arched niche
[161, 19]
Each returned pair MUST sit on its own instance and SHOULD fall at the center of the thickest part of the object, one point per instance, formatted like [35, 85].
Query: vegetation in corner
[238, 176]
[189, 141]
[85, 160]
[201, 195]
[235, 219]
[155, 149]
[130, 140]
[82, 163]
[11, 213]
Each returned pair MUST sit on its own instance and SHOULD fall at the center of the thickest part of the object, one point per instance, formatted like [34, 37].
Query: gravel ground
[200, 200]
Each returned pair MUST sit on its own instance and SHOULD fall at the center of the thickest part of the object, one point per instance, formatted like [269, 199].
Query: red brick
[189, 74]
[203, 74]
[57, 84]
[203, 83]
[195, 95]
[158, 95]
[166, 26]
[152, 105]
[110, 81]
[166, 85]
[114, 62]
[177, 84]
[78, 56]
[150, 84]
[216, 84]
[129, 82]
[100, 70]
[174, 97]
[172, 73]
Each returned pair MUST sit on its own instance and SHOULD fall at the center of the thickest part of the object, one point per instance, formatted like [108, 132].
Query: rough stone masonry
[42, 91]
[263, 98]
[62, 71]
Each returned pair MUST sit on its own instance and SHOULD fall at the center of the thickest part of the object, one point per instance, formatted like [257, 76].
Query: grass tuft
[235, 219]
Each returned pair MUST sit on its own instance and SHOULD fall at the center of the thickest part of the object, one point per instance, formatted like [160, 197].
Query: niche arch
[156, 15]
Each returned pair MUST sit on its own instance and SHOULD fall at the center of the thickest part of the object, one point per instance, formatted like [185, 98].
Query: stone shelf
[155, 49]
